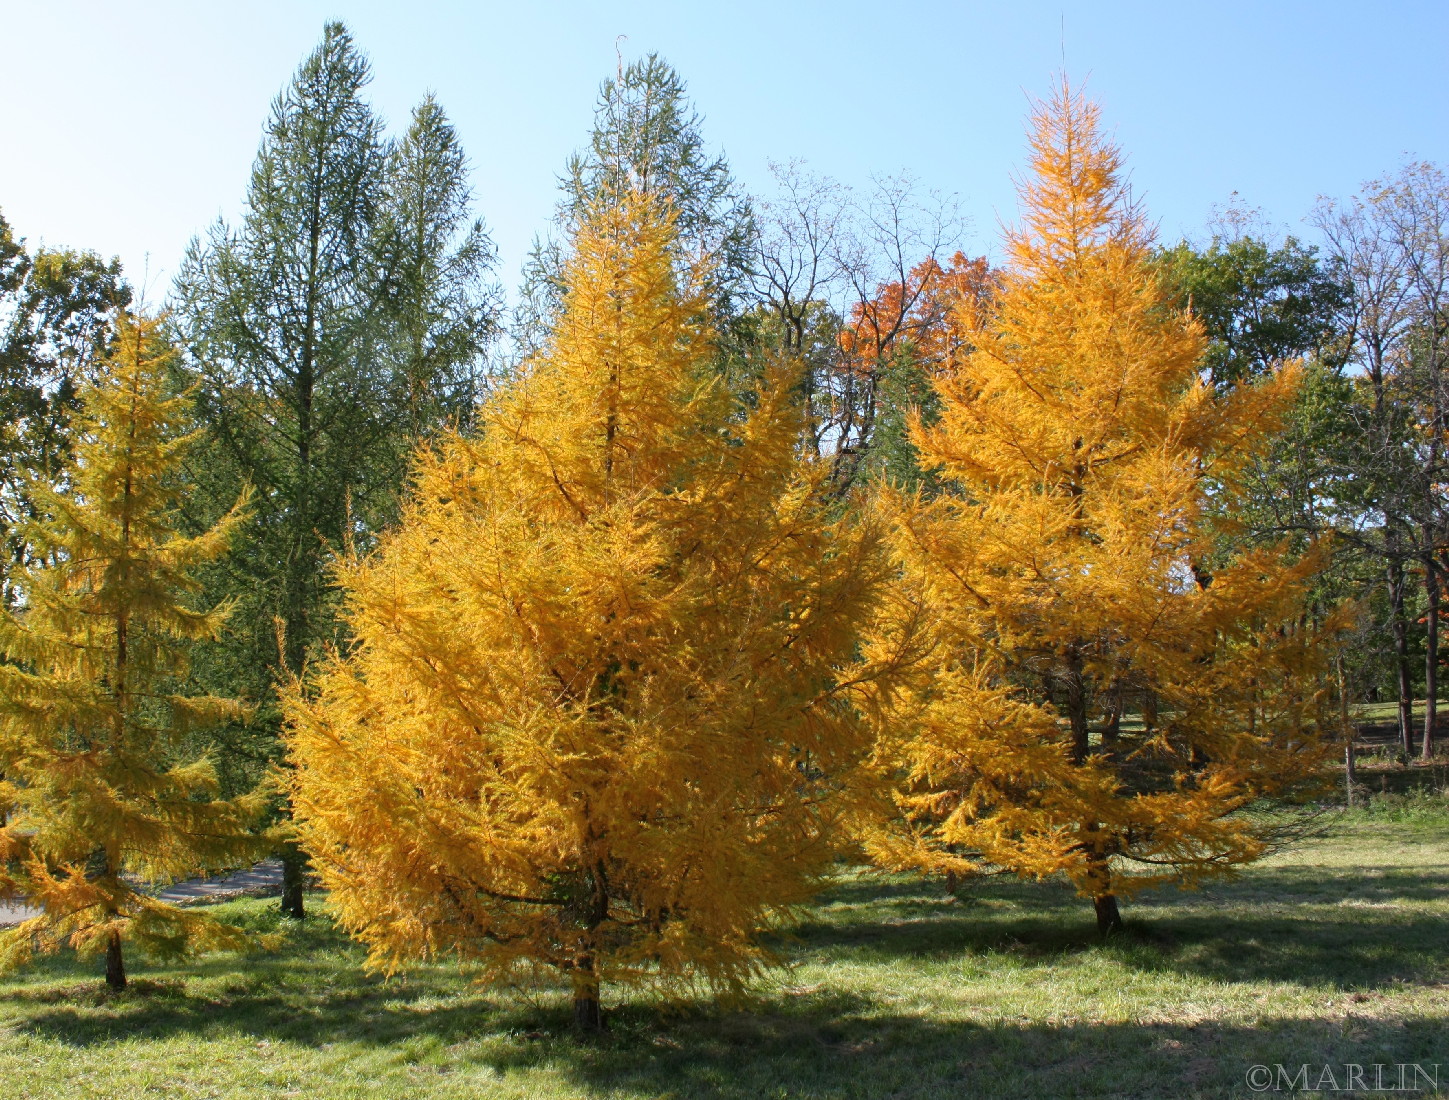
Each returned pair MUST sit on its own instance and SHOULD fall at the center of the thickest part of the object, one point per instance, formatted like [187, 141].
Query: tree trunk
[952, 883]
[1076, 686]
[1431, 657]
[1401, 657]
[1099, 882]
[1112, 728]
[1149, 710]
[294, 867]
[115, 963]
[1346, 728]
[1350, 775]
[588, 1017]
[1109, 919]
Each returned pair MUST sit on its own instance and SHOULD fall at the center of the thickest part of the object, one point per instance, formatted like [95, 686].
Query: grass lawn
[1337, 952]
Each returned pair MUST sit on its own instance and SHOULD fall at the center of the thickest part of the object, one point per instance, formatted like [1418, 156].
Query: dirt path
[265, 877]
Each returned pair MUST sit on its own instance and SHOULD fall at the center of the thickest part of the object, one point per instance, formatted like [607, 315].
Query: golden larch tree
[97, 790]
[594, 719]
[1074, 569]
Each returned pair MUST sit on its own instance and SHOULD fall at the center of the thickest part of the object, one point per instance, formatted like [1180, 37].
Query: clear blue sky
[128, 127]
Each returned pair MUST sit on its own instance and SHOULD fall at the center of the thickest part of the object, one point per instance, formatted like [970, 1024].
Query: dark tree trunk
[1076, 686]
[1112, 728]
[1149, 710]
[1350, 774]
[1099, 881]
[952, 883]
[1431, 658]
[1109, 919]
[588, 1017]
[294, 869]
[1401, 657]
[115, 963]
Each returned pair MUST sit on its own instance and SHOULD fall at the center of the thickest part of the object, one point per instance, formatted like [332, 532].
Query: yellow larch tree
[1073, 571]
[594, 721]
[97, 790]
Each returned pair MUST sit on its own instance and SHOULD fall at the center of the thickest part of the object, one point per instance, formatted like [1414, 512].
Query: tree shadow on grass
[371, 1014]
[873, 1053]
[823, 1044]
[1294, 925]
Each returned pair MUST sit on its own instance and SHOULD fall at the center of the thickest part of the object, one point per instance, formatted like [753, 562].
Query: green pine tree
[442, 306]
[341, 318]
[646, 136]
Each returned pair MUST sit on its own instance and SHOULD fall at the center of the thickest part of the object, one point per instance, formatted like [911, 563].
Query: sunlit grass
[1337, 952]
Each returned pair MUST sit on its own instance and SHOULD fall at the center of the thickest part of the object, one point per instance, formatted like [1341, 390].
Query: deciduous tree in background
[57, 307]
[1260, 305]
[1391, 244]
[94, 790]
[892, 346]
[1071, 570]
[858, 288]
[596, 719]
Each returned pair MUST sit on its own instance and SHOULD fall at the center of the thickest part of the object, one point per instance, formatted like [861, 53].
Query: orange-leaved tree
[1073, 570]
[890, 346]
[595, 720]
[97, 783]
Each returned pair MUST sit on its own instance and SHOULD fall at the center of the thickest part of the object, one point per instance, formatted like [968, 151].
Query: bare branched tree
[846, 280]
[1391, 245]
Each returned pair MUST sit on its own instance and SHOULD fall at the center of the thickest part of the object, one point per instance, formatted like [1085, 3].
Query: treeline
[762, 532]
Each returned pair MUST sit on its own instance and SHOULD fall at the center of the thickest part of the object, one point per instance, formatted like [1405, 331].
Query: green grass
[1337, 952]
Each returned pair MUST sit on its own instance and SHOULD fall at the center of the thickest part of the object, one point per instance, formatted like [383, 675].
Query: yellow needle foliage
[95, 788]
[593, 719]
[1073, 570]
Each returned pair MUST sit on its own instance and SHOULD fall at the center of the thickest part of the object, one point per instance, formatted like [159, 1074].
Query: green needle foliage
[343, 317]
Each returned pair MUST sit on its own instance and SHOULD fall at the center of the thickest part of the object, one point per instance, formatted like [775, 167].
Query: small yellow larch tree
[97, 791]
[594, 720]
[1073, 569]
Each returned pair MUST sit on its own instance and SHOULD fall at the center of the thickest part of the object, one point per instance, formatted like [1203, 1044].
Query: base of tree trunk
[1109, 919]
[293, 880]
[588, 1017]
[1350, 772]
[953, 884]
[115, 963]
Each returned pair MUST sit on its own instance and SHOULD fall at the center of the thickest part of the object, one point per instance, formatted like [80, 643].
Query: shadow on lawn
[1342, 931]
[820, 1045]
[833, 1044]
[871, 1054]
[372, 1013]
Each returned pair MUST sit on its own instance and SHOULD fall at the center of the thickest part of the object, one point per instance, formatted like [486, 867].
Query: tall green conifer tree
[343, 317]
[277, 314]
[440, 311]
[646, 135]
[94, 789]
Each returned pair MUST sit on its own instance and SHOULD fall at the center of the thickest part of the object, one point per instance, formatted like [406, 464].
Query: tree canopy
[598, 702]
